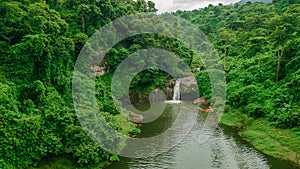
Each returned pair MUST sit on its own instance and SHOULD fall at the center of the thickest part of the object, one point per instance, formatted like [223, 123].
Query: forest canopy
[259, 45]
[40, 40]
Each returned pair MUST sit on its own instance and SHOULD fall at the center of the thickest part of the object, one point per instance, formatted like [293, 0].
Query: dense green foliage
[40, 41]
[259, 45]
[39, 44]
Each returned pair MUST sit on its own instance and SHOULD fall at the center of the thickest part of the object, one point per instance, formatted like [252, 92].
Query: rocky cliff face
[158, 94]
[189, 88]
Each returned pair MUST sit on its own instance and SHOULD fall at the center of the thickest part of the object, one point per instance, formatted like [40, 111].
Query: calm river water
[224, 150]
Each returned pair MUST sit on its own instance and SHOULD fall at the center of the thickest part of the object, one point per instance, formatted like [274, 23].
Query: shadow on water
[224, 149]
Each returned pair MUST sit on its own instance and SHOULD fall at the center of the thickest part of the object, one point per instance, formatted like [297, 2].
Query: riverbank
[68, 162]
[65, 161]
[275, 142]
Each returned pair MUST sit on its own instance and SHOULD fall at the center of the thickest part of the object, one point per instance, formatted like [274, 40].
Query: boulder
[169, 93]
[157, 95]
[98, 70]
[136, 118]
[200, 101]
[189, 88]
[188, 82]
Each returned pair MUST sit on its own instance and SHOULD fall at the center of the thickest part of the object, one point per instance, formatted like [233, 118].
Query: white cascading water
[176, 95]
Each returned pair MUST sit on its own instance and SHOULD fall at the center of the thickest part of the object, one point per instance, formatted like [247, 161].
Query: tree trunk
[82, 20]
[280, 53]
[259, 62]
[259, 58]
[278, 66]
[225, 54]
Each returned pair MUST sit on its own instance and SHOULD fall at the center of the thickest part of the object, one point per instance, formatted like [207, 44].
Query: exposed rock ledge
[136, 118]
[189, 88]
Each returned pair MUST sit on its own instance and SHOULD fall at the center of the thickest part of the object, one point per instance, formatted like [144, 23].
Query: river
[225, 149]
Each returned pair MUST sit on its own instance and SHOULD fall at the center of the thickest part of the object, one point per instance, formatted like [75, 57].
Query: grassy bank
[278, 143]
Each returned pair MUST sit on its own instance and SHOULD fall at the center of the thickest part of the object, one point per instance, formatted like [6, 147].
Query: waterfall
[176, 95]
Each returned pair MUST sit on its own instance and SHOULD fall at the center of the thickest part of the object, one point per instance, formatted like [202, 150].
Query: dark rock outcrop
[157, 95]
[189, 88]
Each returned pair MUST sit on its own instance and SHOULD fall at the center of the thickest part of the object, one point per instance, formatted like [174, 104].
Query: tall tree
[284, 28]
[259, 39]
[225, 39]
